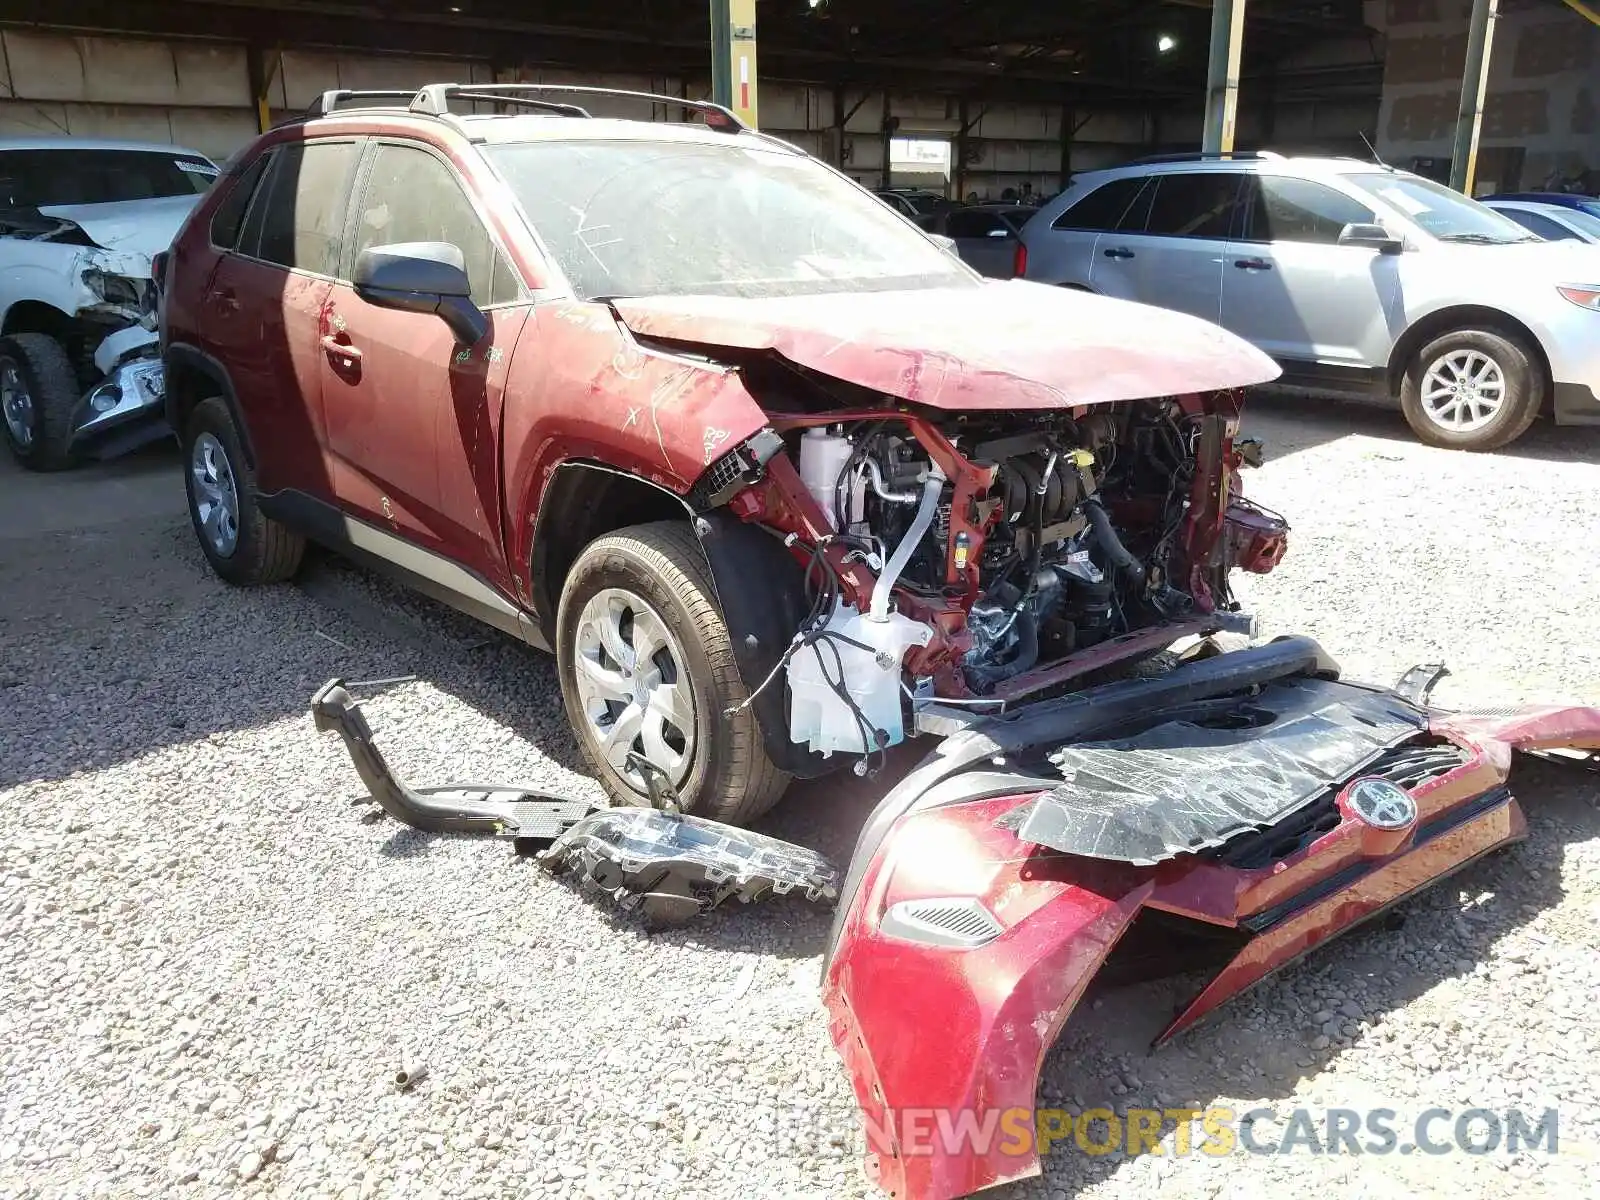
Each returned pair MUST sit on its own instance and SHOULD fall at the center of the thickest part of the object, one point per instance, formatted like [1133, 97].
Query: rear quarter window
[1101, 209]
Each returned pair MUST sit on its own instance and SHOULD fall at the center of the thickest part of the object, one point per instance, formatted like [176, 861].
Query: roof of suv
[510, 128]
[1244, 164]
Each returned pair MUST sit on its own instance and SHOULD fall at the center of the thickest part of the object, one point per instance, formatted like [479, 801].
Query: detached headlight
[1583, 297]
[114, 289]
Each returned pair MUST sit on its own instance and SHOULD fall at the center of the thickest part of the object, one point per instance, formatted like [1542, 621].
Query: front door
[1319, 308]
[413, 418]
[1169, 247]
[265, 303]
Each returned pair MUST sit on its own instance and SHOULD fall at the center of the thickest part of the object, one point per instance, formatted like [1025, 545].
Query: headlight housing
[1583, 297]
[115, 289]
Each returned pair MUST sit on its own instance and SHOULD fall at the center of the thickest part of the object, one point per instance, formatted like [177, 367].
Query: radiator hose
[1106, 538]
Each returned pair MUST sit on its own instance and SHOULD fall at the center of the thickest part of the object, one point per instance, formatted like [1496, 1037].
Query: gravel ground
[215, 958]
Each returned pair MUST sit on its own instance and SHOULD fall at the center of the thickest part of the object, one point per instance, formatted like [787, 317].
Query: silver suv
[1355, 277]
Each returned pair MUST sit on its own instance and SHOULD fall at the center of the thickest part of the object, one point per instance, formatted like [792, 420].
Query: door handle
[226, 299]
[1252, 264]
[338, 349]
[1117, 252]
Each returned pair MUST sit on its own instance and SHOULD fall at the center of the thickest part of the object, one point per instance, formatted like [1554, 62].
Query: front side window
[1287, 209]
[1439, 210]
[412, 196]
[1102, 208]
[43, 178]
[634, 217]
[1198, 204]
[297, 217]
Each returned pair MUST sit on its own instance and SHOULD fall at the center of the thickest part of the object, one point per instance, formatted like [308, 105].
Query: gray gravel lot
[213, 959]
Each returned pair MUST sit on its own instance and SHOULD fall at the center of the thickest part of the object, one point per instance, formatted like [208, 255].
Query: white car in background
[80, 221]
[1552, 222]
[1357, 278]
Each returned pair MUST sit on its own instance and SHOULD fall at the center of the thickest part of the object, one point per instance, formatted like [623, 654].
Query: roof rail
[1205, 156]
[330, 100]
[434, 100]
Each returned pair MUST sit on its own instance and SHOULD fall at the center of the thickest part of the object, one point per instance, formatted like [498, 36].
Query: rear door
[413, 418]
[265, 302]
[1291, 289]
[1064, 253]
[1169, 246]
[983, 240]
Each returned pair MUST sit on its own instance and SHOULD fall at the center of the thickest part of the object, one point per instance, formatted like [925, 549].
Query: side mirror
[947, 244]
[422, 277]
[1370, 237]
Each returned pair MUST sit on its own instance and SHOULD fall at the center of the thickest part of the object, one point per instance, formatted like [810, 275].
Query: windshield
[649, 218]
[1441, 211]
[41, 178]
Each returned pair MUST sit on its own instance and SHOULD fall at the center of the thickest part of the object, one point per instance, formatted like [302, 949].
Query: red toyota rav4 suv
[777, 477]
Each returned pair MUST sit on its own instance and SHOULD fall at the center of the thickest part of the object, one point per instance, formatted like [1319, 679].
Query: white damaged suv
[80, 221]
[1358, 279]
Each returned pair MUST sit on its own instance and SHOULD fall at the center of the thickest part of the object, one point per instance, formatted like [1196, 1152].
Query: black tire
[264, 551]
[44, 368]
[1524, 389]
[730, 778]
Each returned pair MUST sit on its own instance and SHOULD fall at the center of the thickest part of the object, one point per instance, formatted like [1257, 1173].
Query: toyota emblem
[1381, 804]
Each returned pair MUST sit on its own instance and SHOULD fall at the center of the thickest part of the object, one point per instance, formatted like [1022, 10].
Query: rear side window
[229, 216]
[969, 224]
[298, 214]
[412, 196]
[1198, 204]
[41, 178]
[1286, 209]
[1102, 208]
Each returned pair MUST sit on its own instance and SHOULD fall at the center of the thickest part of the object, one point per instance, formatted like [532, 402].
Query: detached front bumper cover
[1284, 854]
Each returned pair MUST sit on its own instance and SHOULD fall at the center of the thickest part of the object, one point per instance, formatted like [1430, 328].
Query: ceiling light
[1166, 43]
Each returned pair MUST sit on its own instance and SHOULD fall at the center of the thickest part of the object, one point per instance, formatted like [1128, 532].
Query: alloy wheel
[1463, 390]
[631, 677]
[16, 404]
[215, 494]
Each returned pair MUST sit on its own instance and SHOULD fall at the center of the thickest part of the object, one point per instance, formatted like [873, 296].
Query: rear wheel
[38, 395]
[1472, 389]
[242, 545]
[647, 671]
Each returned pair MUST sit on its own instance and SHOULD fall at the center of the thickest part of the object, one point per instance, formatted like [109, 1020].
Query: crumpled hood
[1001, 345]
[141, 226]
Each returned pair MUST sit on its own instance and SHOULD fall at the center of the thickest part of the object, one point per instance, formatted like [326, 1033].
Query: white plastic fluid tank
[818, 715]
[822, 457]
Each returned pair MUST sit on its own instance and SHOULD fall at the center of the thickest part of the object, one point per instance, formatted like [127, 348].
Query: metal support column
[733, 57]
[1474, 86]
[1222, 76]
[261, 69]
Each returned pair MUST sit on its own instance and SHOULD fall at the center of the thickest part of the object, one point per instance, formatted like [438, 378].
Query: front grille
[1409, 765]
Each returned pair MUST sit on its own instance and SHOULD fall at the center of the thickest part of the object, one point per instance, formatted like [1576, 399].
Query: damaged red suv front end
[1237, 812]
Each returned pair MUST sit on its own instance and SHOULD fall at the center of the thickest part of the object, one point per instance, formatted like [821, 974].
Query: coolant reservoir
[822, 458]
[818, 715]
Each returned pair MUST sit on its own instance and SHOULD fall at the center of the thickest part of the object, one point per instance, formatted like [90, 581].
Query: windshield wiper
[1482, 239]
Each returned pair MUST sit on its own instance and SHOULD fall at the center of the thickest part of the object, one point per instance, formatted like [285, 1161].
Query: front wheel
[1472, 389]
[647, 672]
[38, 395]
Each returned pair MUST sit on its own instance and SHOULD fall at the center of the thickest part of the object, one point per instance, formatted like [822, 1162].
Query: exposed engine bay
[974, 559]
